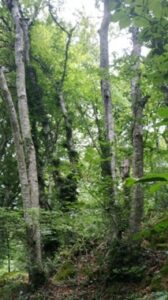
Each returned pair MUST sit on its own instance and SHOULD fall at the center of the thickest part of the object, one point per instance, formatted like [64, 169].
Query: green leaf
[156, 7]
[141, 22]
[153, 178]
[163, 112]
[155, 187]
[121, 17]
[162, 123]
[116, 16]
[148, 178]
[130, 181]
[124, 22]
[113, 5]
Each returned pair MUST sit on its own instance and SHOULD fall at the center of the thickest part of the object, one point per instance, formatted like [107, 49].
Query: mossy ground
[85, 276]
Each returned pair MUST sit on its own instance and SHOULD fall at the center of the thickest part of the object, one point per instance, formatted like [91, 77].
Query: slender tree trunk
[105, 87]
[137, 137]
[125, 173]
[104, 147]
[25, 28]
[32, 225]
[30, 192]
[8, 252]
[107, 144]
[165, 134]
[72, 180]
[18, 144]
[72, 153]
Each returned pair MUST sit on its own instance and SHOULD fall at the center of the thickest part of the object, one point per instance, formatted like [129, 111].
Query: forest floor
[85, 276]
[93, 286]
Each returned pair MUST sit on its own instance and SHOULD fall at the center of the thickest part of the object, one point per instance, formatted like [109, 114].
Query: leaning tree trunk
[137, 136]
[18, 144]
[108, 167]
[32, 203]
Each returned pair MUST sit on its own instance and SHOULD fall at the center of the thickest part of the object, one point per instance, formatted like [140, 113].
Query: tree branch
[68, 42]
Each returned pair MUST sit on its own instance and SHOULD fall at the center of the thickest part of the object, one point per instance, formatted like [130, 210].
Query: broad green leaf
[163, 112]
[141, 22]
[121, 17]
[156, 7]
[125, 22]
[130, 181]
[148, 178]
[162, 123]
[153, 177]
[155, 187]
[113, 5]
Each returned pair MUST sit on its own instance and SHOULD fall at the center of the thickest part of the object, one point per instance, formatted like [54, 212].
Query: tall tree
[26, 155]
[71, 182]
[138, 103]
[108, 154]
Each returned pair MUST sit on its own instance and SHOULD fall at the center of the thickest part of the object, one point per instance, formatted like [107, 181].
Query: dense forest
[83, 150]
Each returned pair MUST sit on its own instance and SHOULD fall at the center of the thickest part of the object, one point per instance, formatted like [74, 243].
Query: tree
[69, 185]
[108, 155]
[138, 104]
[25, 150]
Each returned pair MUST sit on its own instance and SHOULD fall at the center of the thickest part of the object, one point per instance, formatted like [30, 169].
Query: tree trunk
[72, 153]
[107, 144]
[125, 173]
[165, 134]
[18, 144]
[36, 109]
[31, 201]
[137, 137]
[31, 220]
[105, 87]
[71, 182]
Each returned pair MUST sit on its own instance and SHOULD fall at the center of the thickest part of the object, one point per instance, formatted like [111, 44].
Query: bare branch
[66, 56]
[55, 19]
[83, 114]
[69, 37]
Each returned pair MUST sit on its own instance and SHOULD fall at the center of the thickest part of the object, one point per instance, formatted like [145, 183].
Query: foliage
[66, 271]
[71, 229]
[125, 262]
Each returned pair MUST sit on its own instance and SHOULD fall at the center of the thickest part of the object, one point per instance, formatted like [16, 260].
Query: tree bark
[36, 107]
[23, 107]
[107, 142]
[32, 224]
[30, 169]
[71, 179]
[72, 153]
[18, 143]
[165, 91]
[106, 90]
[138, 104]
